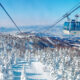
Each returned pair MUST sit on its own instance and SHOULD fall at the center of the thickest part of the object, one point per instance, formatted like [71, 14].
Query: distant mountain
[55, 31]
[4, 29]
[39, 41]
[36, 28]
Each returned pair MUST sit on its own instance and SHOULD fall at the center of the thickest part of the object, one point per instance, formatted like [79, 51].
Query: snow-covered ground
[20, 60]
[22, 70]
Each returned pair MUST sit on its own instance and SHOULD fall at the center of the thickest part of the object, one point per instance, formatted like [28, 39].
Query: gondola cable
[63, 17]
[10, 17]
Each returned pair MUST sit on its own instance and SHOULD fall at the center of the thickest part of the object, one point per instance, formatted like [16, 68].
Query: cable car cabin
[72, 27]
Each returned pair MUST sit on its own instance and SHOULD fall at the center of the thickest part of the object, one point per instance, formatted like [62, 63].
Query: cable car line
[50, 27]
[10, 17]
[63, 17]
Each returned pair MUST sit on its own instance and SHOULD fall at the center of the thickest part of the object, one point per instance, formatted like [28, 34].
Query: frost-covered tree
[63, 64]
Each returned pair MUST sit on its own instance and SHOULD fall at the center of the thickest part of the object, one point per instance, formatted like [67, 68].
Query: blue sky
[34, 12]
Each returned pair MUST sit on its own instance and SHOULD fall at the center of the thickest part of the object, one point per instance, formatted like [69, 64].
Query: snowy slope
[31, 57]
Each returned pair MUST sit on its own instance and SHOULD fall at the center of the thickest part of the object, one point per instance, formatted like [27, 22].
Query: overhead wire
[63, 17]
[50, 27]
[10, 18]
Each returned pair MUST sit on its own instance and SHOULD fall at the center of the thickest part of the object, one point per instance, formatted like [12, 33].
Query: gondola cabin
[72, 27]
